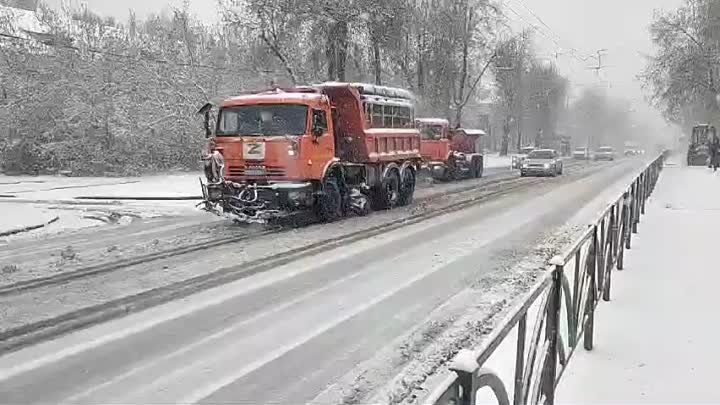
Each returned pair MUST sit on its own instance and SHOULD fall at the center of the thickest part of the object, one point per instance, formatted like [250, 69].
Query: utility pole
[519, 103]
[599, 67]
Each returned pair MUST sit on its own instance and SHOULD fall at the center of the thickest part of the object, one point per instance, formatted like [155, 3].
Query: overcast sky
[620, 26]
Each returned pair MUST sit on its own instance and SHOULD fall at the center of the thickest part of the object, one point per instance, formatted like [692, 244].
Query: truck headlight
[547, 165]
[293, 148]
[525, 165]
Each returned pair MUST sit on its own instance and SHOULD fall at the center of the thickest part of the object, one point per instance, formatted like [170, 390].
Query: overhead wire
[547, 33]
[572, 49]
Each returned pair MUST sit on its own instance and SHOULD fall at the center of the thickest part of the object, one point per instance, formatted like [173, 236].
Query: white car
[542, 162]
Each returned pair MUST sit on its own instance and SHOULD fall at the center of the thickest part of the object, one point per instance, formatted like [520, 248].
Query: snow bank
[654, 343]
[27, 200]
[59, 188]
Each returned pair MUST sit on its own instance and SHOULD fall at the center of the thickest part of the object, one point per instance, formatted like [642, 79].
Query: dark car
[542, 162]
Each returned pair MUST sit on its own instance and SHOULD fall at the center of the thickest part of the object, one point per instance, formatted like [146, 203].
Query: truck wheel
[387, 195]
[451, 171]
[478, 166]
[330, 203]
[407, 188]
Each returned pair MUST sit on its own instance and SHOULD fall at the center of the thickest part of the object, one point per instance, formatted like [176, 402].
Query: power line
[544, 34]
[537, 17]
[552, 35]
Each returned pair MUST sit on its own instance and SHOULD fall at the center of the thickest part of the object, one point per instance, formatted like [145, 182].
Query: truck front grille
[255, 171]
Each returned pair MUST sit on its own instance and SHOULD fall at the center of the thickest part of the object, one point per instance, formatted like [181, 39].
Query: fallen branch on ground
[28, 228]
[180, 198]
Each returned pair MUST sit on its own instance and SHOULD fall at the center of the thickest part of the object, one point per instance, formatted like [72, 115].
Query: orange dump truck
[450, 154]
[328, 149]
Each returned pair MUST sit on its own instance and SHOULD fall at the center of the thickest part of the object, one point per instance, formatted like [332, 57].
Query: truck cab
[275, 137]
[434, 139]
[449, 154]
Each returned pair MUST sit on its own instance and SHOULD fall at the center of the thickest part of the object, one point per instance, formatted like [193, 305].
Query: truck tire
[386, 196]
[451, 172]
[330, 203]
[407, 187]
[478, 168]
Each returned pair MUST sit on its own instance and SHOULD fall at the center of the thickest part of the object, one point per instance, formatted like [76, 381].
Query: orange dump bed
[372, 123]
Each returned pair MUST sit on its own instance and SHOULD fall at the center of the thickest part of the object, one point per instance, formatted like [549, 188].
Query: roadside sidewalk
[656, 341]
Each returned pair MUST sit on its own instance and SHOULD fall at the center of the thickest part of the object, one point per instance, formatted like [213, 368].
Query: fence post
[589, 310]
[636, 205]
[627, 219]
[643, 197]
[520, 361]
[466, 381]
[552, 330]
[599, 253]
[609, 264]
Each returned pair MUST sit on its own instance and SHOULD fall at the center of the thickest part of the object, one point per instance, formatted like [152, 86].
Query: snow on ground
[28, 201]
[20, 215]
[656, 340]
[495, 160]
[59, 188]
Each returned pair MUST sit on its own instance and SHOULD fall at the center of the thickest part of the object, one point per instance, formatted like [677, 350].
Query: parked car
[542, 162]
[605, 153]
[581, 153]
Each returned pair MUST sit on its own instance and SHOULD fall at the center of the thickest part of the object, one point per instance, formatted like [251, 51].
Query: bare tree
[684, 71]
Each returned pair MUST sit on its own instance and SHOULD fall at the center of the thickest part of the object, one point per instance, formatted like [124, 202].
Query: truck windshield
[541, 154]
[263, 120]
[430, 132]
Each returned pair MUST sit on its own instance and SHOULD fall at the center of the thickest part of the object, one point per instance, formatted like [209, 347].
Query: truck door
[323, 142]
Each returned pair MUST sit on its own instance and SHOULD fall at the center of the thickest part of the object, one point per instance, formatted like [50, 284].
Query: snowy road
[41, 256]
[30, 201]
[284, 335]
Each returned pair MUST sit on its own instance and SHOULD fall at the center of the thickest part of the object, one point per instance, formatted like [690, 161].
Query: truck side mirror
[317, 129]
[319, 124]
[208, 130]
[205, 111]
